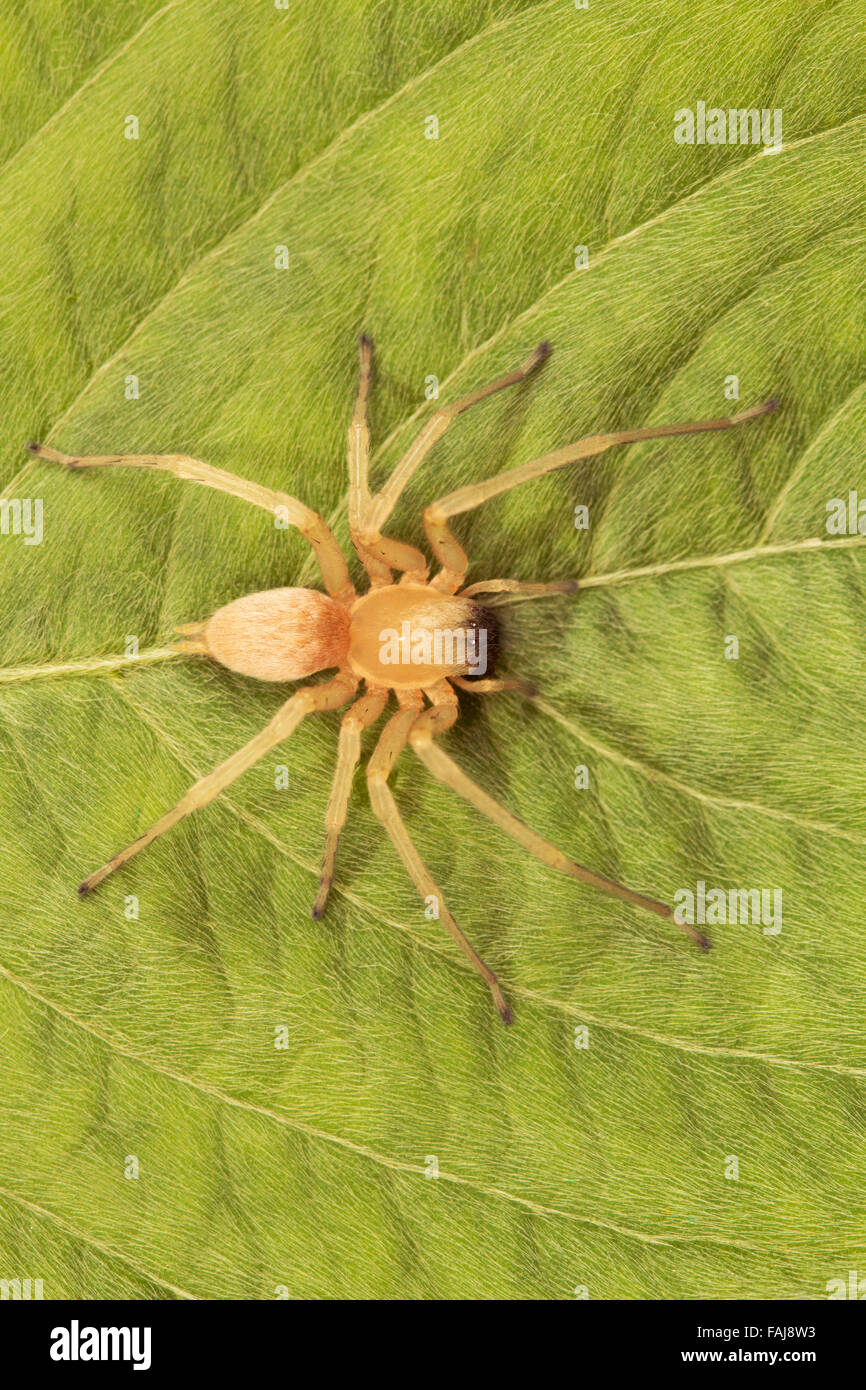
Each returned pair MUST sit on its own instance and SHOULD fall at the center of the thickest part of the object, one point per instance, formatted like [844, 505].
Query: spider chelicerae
[417, 639]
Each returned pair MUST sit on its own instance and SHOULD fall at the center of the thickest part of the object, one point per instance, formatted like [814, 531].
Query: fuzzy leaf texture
[308, 1169]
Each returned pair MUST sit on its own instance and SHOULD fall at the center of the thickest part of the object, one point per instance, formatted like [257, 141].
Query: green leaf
[560, 1167]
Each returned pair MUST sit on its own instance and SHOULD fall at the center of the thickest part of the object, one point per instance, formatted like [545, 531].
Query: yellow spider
[418, 638]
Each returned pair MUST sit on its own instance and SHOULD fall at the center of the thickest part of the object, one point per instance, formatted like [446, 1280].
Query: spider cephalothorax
[416, 639]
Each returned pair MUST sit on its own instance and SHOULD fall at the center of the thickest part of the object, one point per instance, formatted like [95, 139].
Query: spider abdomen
[408, 636]
[279, 634]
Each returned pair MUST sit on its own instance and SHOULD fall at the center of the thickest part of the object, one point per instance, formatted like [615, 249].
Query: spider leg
[313, 527]
[359, 716]
[359, 437]
[434, 721]
[495, 685]
[377, 553]
[446, 548]
[373, 512]
[359, 466]
[520, 589]
[387, 750]
[306, 701]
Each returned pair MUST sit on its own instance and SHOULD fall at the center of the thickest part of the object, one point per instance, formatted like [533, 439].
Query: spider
[288, 634]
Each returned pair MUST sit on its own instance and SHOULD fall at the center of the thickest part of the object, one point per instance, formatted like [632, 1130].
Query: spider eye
[484, 626]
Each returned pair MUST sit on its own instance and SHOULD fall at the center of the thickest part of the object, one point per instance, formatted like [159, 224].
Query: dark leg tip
[34, 447]
[365, 341]
[772, 405]
[544, 350]
[84, 888]
[317, 913]
[506, 1015]
[705, 943]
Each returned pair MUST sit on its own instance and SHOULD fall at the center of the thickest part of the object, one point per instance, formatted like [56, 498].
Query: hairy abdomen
[279, 634]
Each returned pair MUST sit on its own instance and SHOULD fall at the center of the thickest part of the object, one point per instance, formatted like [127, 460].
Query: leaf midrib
[89, 81]
[221, 247]
[534, 996]
[86, 1238]
[365, 1151]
